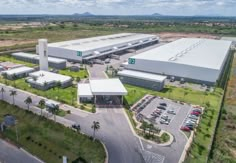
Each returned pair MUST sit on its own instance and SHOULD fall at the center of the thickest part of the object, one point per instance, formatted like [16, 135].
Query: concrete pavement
[12, 154]
[122, 145]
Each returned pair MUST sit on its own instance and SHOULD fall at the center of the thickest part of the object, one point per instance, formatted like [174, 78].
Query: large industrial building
[83, 50]
[18, 72]
[189, 59]
[33, 58]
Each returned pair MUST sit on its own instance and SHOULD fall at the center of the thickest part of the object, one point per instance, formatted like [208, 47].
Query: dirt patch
[169, 36]
[6, 43]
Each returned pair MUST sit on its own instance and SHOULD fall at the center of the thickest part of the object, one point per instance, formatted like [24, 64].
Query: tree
[151, 128]
[28, 101]
[95, 126]
[13, 93]
[54, 110]
[72, 97]
[42, 105]
[2, 91]
[144, 126]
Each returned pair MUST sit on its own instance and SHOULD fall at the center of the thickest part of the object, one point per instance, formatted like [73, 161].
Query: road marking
[141, 144]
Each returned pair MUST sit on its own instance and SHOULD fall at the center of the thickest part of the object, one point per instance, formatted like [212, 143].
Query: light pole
[17, 137]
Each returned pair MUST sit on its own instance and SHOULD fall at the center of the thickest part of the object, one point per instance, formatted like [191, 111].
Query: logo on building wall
[131, 61]
[79, 53]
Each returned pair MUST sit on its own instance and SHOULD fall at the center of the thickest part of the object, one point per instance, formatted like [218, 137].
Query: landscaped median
[48, 140]
[149, 133]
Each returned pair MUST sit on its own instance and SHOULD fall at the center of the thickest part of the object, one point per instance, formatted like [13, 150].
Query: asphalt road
[12, 154]
[123, 146]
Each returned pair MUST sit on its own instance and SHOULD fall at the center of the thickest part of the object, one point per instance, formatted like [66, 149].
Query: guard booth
[102, 92]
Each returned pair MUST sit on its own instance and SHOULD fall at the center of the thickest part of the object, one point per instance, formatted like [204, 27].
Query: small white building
[102, 92]
[17, 73]
[44, 80]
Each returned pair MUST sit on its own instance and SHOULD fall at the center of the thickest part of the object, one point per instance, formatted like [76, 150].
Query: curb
[106, 151]
[33, 156]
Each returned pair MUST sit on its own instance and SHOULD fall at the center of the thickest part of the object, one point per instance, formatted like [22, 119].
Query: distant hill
[156, 14]
[83, 14]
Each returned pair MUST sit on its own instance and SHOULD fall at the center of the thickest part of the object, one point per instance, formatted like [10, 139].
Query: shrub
[28, 138]
[68, 112]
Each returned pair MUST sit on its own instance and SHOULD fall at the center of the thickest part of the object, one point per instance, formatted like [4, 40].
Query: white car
[171, 111]
[163, 121]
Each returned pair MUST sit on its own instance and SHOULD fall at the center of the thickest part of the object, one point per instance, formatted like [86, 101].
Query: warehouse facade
[84, 50]
[33, 58]
[189, 59]
[17, 73]
[142, 79]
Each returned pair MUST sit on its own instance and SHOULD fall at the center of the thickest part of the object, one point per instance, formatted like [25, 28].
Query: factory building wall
[67, 54]
[188, 72]
[157, 86]
[50, 85]
[61, 65]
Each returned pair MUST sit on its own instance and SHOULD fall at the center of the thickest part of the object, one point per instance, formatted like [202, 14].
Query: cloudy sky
[120, 7]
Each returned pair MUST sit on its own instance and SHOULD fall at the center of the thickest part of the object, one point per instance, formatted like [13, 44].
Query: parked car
[195, 113]
[193, 120]
[163, 121]
[171, 112]
[193, 117]
[161, 107]
[185, 128]
[197, 110]
[190, 127]
[165, 117]
[163, 104]
[190, 122]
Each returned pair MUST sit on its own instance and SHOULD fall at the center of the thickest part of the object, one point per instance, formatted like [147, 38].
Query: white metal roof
[107, 87]
[142, 75]
[101, 41]
[36, 57]
[19, 70]
[84, 90]
[190, 51]
[48, 77]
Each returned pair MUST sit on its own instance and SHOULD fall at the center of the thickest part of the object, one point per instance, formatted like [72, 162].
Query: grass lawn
[81, 74]
[63, 95]
[48, 140]
[200, 149]
[9, 58]
[224, 146]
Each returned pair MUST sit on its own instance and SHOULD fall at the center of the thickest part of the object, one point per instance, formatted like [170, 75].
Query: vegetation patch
[48, 140]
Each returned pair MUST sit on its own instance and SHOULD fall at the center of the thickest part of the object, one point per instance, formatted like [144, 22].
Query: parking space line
[141, 144]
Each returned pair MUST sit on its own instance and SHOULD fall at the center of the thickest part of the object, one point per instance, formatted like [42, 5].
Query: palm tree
[13, 93]
[28, 101]
[2, 91]
[95, 126]
[42, 105]
[151, 127]
[54, 110]
[144, 126]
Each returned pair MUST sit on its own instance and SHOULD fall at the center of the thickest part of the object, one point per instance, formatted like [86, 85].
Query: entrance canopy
[84, 90]
[107, 87]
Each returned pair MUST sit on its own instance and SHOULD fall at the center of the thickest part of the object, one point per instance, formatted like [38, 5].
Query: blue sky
[120, 7]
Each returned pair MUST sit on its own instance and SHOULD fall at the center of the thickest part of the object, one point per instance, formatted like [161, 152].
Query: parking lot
[166, 114]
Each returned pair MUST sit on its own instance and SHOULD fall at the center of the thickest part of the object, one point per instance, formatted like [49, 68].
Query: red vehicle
[185, 128]
[195, 113]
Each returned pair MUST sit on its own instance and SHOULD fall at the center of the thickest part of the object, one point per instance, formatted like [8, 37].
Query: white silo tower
[43, 54]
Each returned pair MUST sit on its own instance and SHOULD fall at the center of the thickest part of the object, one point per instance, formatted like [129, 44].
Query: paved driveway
[123, 146]
[12, 154]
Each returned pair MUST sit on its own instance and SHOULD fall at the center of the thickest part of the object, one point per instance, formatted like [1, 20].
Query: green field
[65, 95]
[224, 146]
[48, 140]
[200, 148]
[83, 73]
[9, 58]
